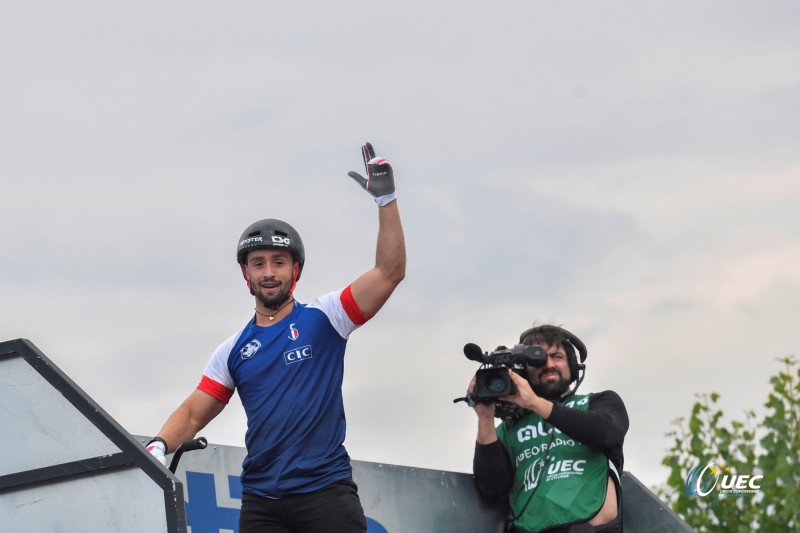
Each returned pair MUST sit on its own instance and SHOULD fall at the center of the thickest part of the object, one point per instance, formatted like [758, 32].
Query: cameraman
[559, 461]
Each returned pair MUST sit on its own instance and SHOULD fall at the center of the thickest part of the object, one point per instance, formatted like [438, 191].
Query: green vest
[575, 478]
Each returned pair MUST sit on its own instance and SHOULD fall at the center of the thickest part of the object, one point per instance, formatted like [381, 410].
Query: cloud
[627, 171]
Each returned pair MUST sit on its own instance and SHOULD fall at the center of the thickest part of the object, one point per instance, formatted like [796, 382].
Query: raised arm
[373, 288]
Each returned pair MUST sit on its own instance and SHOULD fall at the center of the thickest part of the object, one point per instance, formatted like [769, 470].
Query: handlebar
[199, 443]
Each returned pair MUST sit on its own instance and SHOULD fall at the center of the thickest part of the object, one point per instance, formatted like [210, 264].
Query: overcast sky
[628, 170]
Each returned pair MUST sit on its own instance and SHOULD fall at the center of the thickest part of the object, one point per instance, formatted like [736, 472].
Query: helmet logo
[281, 241]
[250, 349]
[251, 240]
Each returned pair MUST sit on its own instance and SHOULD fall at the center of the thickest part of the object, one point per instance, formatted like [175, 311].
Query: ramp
[396, 499]
[67, 465]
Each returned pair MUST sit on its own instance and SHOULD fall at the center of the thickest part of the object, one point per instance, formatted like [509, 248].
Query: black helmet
[271, 233]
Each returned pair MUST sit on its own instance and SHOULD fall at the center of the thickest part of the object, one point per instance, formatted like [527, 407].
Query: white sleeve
[331, 304]
[217, 367]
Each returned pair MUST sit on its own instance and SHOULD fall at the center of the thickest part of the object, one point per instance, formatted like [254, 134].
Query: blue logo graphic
[700, 484]
[202, 513]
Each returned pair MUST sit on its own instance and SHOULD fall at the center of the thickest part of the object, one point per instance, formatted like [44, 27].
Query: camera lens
[493, 383]
[496, 384]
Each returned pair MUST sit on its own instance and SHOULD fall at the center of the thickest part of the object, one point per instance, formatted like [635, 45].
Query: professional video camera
[492, 380]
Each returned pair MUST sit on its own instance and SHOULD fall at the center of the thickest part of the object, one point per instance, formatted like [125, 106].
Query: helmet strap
[244, 273]
[294, 277]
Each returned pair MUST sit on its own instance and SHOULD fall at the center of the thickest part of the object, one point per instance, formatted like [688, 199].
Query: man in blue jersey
[287, 364]
[558, 458]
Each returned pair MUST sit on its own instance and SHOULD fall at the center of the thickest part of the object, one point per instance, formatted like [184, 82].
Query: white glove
[158, 449]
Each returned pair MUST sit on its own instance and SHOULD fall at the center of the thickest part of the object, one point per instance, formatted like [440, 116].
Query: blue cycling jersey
[289, 379]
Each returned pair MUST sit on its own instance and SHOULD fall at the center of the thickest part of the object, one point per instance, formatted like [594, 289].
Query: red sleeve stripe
[215, 389]
[351, 307]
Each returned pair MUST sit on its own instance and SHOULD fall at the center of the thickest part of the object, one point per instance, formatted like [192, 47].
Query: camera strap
[510, 522]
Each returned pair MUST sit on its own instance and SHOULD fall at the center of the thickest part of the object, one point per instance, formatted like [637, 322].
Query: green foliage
[768, 447]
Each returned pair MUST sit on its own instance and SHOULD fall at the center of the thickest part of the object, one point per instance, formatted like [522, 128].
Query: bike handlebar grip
[199, 443]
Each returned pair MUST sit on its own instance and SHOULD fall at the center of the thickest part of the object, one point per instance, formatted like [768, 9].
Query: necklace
[272, 316]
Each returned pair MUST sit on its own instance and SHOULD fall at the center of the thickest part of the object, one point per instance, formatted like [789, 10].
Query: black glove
[380, 179]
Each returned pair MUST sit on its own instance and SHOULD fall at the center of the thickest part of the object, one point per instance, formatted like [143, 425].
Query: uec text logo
[702, 480]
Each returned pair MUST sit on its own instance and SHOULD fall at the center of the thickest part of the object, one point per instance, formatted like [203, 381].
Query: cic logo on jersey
[297, 355]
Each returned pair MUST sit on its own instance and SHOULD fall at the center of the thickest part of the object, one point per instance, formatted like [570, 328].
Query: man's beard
[273, 301]
[552, 390]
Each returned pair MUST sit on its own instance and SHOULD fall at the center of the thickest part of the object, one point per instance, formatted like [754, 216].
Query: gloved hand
[380, 179]
[158, 449]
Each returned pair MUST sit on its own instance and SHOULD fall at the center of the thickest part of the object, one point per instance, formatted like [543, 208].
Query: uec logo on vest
[297, 355]
[703, 479]
[556, 470]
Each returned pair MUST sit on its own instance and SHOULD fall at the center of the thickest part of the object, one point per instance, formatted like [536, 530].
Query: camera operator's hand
[526, 398]
[485, 411]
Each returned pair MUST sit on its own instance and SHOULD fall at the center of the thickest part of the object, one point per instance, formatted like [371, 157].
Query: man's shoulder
[325, 301]
[225, 347]
[606, 398]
